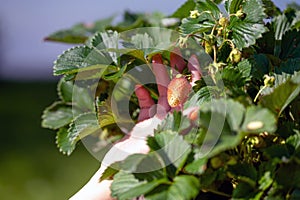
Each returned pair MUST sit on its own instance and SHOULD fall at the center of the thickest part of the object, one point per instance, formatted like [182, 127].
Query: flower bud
[194, 14]
[223, 21]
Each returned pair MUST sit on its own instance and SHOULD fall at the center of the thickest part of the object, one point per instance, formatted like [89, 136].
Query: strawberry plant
[229, 104]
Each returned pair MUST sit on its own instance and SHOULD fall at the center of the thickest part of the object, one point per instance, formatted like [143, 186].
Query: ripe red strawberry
[178, 91]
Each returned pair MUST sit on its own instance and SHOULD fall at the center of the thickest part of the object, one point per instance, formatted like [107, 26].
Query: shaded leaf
[289, 176]
[283, 23]
[289, 67]
[290, 46]
[241, 170]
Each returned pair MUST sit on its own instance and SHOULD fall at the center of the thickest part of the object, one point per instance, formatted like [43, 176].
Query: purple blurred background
[23, 25]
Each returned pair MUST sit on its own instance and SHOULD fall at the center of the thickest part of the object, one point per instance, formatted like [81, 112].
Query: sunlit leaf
[82, 126]
[184, 10]
[57, 115]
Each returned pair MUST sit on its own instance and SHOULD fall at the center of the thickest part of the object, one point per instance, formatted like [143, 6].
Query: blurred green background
[31, 167]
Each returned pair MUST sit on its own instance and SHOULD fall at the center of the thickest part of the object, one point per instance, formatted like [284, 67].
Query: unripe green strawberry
[178, 91]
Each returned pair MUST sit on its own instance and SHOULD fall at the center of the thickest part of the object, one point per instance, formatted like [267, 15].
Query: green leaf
[271, 9]
[245, 68]
[258, 120]
[143, 42]
[185, 187]
[266, 181]
[220, 121]
[289, 176]
[261, 65]
[222, 111]
[65, 90]
[205, 94]
[150, 41]
[192, 26]
[266, 44]
[82, 98]
[175, 122]
[78, 58]
[283, 23]
[289, 67]
[290, 46]
[294, 142]
[147, 165]
[171, 147]
[209, 13]
[243, 191]
[295, 194]
[231, 77]
[110, 39]
[208, 5]
[79, 33]
[101, 25]
[184, 10]
[110, 171]
[282, 95]
[57, 115]
[126, 186]
[245, 172]
[74, 35]
[83, 125]
[277, 151]
[115, 75]
[232, 6]
[246, 31]
[197, 166]
[62, 141]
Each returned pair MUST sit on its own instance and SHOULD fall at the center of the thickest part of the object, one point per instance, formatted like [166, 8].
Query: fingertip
[194, 67]
[145, 102]
[157, 59]
[176, 60]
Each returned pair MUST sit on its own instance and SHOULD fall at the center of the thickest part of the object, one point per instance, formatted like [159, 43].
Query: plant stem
[218, 193]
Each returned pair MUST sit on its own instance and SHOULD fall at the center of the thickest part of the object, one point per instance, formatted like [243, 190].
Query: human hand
[149, 118]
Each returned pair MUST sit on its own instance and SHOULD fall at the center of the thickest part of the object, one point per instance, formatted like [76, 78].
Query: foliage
[252, 87]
